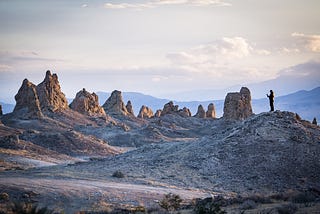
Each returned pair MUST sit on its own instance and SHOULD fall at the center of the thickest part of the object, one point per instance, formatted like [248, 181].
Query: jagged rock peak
[211, 113]
[201, 113]
[169, 108]
[27, 102]
[145, 112]
[50, 95]
[1, 113]
[158, 113]
[114, 104]
[87, 103]
[130, 108]
[314, 121]
[237, 105]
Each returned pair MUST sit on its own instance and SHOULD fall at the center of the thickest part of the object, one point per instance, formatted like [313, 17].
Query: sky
[163, 48]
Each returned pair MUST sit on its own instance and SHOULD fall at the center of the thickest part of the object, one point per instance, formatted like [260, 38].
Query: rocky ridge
[114, 104]
[145, 112]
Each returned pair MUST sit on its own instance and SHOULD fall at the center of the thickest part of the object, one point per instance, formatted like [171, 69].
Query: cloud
[309, 42]
[158, 3]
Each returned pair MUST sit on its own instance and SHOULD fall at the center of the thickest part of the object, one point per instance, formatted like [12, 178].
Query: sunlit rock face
[237, 105]
[50, 95]
[114, 104]
[87, 103]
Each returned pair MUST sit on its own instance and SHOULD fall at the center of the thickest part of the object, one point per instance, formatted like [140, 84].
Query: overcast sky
[157, 47]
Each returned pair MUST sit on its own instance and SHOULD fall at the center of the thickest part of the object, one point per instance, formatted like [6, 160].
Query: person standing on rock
[271, 100]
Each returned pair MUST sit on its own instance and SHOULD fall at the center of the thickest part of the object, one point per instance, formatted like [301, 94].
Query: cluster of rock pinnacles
[35, 101]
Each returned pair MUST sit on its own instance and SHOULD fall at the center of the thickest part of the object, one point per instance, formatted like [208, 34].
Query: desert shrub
[287, 209]
[210, 206]
[171, 202]
[304, 197]
[29, 208]
[4, 196]
[118, 174]
[248, 205]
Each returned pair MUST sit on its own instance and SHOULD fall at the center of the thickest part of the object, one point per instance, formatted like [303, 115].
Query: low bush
[171, 202]
[118, 174]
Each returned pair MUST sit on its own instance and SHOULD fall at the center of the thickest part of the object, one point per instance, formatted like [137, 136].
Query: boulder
[237, 105]
[201, 113]
[50, 95]
[114, 104]
[211, 113]
[145, 112]
[27, 102]
[130, 108]
[87, 103]
[158, 113]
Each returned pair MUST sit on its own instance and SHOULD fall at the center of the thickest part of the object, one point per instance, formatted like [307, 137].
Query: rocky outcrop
[185, 112]
[158, 113]
[201, 113]
[1, 111]
[211, 113]
[130, 108]
[87, 103]
[114, 104]
[27, 102]
[50, 95]
[314, 121]
[145, 112]
[237, 105]
[169, 108]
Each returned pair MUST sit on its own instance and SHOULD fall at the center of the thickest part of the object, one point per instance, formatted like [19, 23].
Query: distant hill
[305, 103]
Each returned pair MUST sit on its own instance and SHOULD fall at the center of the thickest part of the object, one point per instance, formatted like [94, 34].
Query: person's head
[271, 91]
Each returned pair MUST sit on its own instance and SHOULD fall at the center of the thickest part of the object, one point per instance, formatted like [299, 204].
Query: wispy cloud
[310, 42]
[222, 59]
[158, 3]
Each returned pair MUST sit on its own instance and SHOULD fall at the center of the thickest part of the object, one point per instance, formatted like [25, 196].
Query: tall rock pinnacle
[50, 95]
[114, 104]
[87, 103]
[27, 102]
[237, 105]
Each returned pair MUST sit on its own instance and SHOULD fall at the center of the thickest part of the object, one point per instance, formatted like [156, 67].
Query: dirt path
[73, 195]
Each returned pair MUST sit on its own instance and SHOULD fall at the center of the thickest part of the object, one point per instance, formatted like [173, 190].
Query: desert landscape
[86, 158]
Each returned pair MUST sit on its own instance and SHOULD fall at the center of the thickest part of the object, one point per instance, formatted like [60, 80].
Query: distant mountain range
[305, 103]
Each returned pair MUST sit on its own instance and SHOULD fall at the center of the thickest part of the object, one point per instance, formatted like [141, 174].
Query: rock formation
[145, 112]
[201, 113]
[1, 113]
[114, 104]
[158, 113]
[211, 113]
[314, 121]
[169, 108]
[50, 95]
[27, 102]
[130, 108]
[185, 112]
[237, 105]
[87, 103]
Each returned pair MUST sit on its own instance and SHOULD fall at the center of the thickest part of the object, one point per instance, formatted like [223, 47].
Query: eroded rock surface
[27, 102]
[145, 112]
[130, 108]
[50, 95]
[237, 105]
[211, 113]
[114, 104]
[87, 103]
[201, 113]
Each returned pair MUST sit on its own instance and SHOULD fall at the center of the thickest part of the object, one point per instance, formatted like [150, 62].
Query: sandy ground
[72, 195]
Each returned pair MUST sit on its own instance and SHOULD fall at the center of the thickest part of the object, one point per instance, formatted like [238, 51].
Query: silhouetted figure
[314, 121]
[271, 100]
